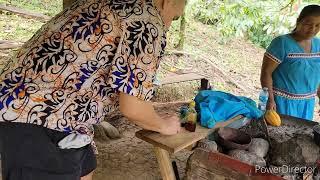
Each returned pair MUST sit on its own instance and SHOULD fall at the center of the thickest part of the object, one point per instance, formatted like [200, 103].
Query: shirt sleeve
[276, 50]
[134, 66]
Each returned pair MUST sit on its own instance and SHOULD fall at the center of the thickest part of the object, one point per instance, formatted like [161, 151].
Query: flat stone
[259, 146]
[208, 145]
[310, 150]
[100, 134]
[297, 151]
[110, 130]
[247, 157]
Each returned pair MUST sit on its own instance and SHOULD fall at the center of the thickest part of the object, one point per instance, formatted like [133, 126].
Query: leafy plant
[258, 21]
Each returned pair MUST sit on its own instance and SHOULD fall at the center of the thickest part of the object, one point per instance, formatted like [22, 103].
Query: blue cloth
[217, 106]
[297, 77]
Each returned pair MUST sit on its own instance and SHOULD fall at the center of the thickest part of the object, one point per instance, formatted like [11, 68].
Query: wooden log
[5, 44]
[25, 13]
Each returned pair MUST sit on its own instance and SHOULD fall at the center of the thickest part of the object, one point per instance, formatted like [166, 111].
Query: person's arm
[318, 93]
[143, 114]
[268, 66]
[132, 73]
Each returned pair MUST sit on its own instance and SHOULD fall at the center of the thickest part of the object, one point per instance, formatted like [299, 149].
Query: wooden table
[164, 145]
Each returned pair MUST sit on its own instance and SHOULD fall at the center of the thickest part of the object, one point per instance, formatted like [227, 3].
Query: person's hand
[171, 126]
[271, 105]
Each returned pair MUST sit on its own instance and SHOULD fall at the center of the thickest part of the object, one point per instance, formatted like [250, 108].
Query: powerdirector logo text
[284, 170]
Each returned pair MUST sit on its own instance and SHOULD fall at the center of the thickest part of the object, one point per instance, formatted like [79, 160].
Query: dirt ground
[130, 158]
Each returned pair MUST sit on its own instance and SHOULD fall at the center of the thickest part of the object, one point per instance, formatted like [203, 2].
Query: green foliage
[258, 21]
[258, 36]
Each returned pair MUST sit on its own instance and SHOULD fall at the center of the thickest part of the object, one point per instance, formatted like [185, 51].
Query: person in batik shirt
[93, 58]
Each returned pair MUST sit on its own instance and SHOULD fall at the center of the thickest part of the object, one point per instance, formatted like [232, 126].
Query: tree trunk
[182, 31]
[67, 3]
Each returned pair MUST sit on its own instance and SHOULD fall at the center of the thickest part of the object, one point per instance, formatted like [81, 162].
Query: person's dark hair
[310, 10]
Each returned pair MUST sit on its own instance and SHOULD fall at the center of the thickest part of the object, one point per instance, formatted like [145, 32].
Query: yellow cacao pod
[272, 118]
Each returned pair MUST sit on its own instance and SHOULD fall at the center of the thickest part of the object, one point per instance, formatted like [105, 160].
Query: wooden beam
[4, 44]
[24, 13]
[181, 78]
[165, 164]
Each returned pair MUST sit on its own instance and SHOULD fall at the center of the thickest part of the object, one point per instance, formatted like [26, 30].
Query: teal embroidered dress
[296, 79]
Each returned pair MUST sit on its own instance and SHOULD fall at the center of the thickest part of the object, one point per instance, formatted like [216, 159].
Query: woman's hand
[271, 105]
[142, 113]
[171, 126]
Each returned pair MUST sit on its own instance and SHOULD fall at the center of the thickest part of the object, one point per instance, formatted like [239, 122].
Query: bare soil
[131, 158]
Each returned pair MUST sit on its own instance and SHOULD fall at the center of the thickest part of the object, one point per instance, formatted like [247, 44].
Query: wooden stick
[4, 44]
[25, 13]
[165, 164]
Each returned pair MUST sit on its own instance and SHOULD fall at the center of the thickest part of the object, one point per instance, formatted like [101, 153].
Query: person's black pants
[30, 152]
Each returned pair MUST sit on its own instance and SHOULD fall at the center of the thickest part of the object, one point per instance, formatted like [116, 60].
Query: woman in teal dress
[291, 67]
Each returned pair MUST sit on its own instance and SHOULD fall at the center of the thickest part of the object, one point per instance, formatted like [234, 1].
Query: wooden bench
[164, 145]
[183, 77]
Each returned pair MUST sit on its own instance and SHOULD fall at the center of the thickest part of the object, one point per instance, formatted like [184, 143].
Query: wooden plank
[164, 163]
[215, 162]
[4, 44]
[182, 140]
[24, 13]
[181, 78]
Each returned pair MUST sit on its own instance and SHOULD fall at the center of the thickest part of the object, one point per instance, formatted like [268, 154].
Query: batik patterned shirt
[68, 76]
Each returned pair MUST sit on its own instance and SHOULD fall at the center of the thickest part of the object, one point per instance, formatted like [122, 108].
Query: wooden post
[165, 164]
[204, 84]
[67, 3]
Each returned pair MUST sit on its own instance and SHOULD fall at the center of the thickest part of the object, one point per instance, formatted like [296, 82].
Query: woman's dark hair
[310, 10]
